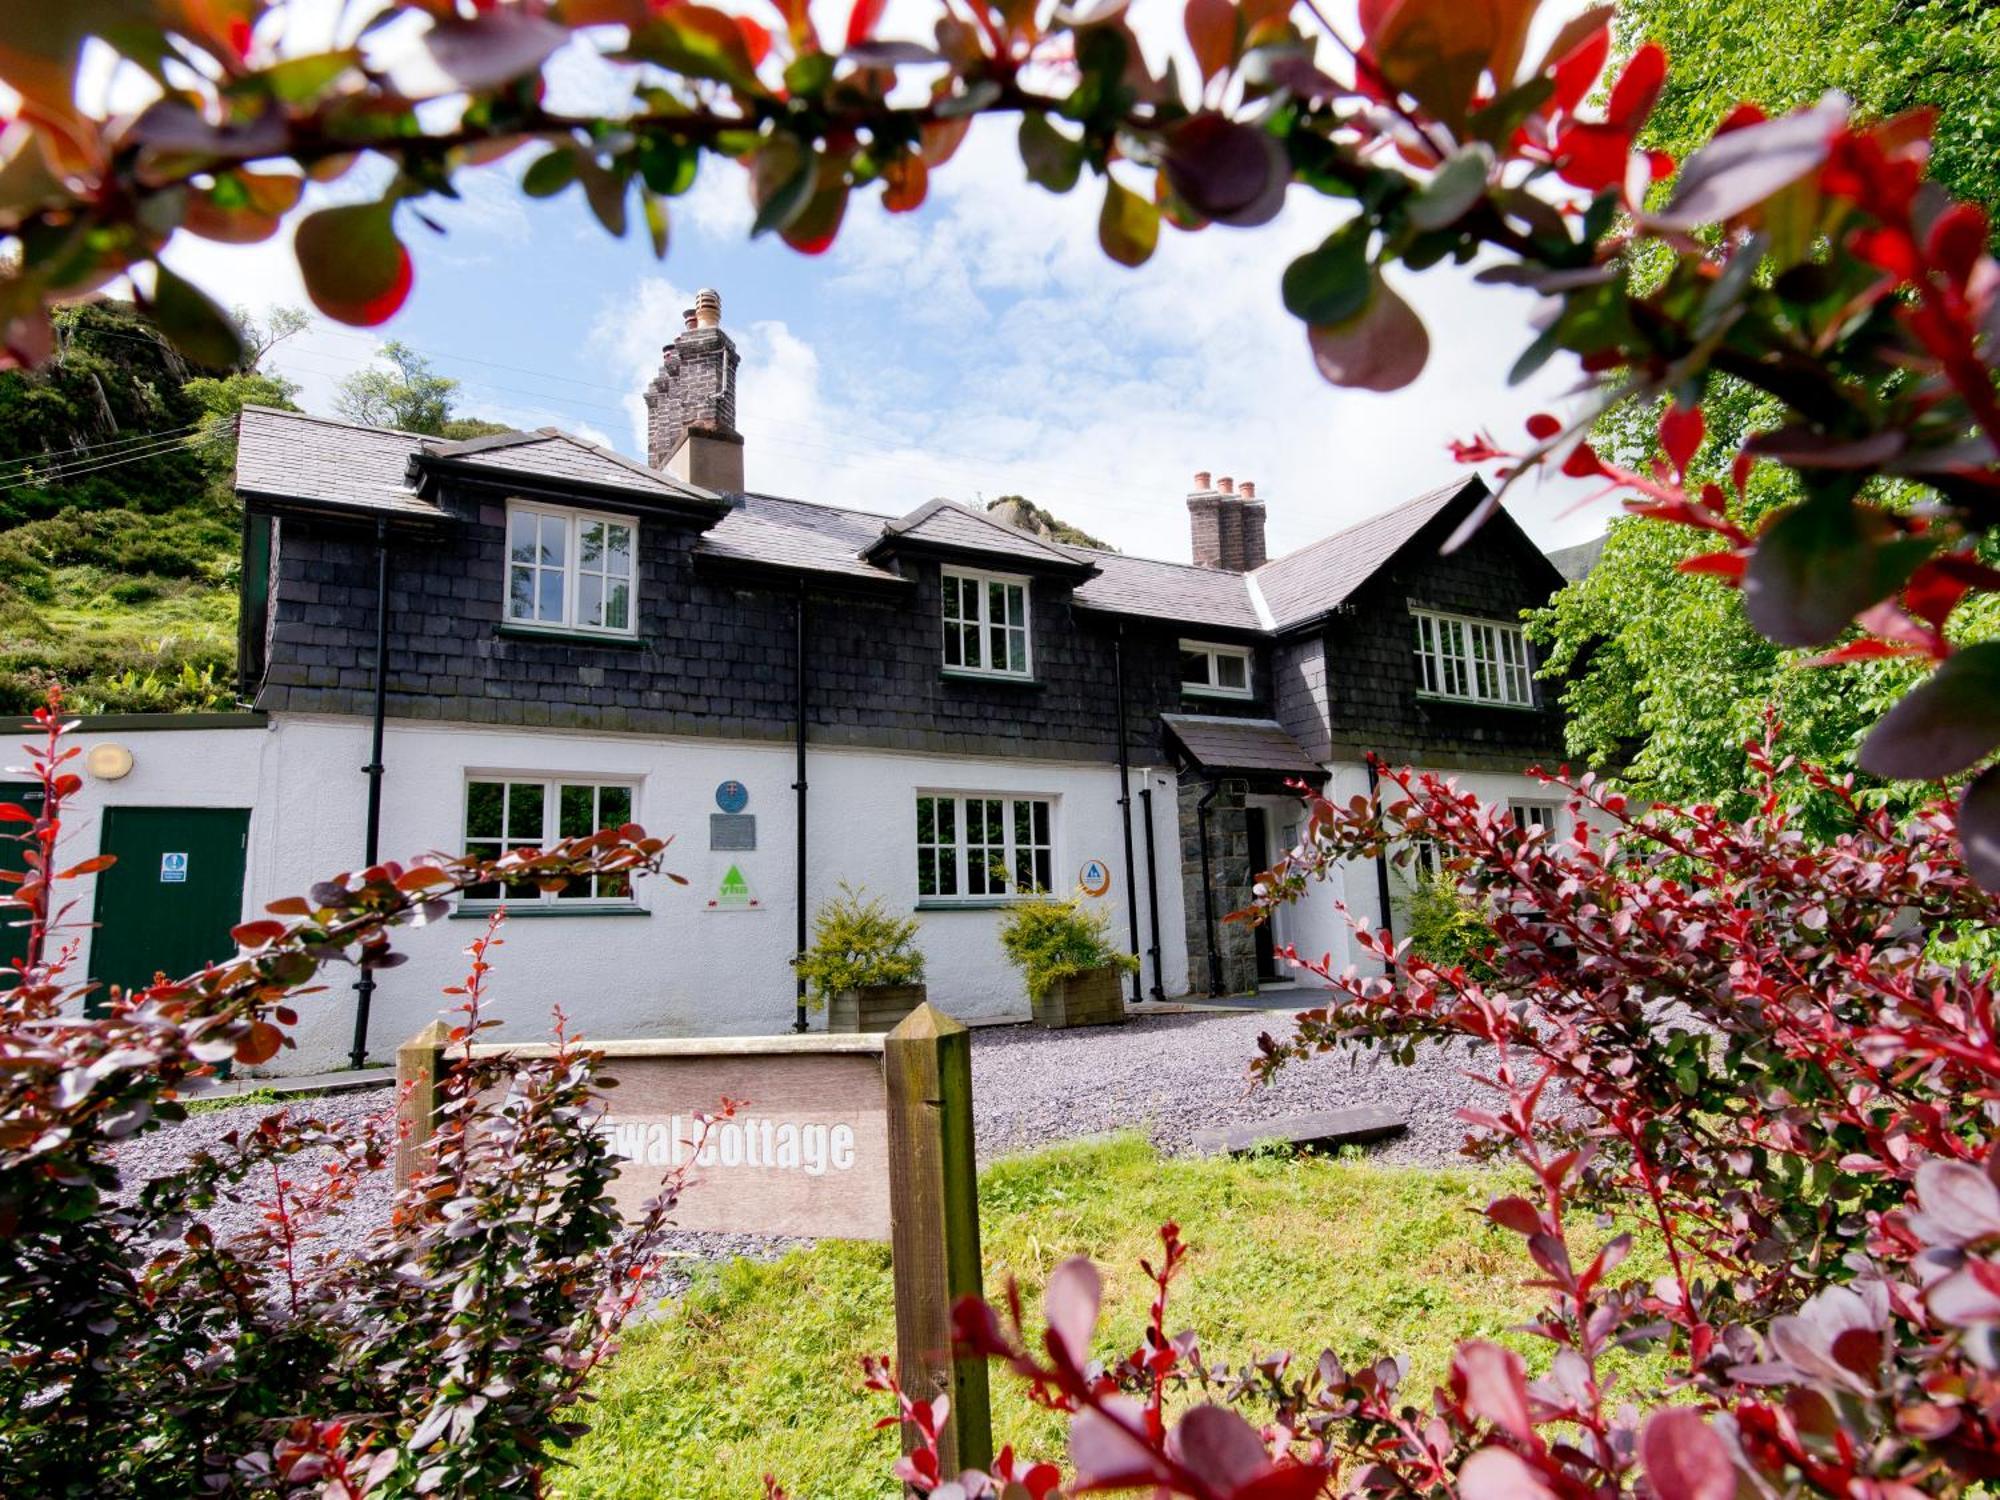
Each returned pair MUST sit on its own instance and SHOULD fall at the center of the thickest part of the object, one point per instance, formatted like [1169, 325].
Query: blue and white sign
[1094, 879]
[732, 796]
[173, 869]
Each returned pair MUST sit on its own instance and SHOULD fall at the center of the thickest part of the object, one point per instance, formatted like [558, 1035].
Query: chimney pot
[1247, 489]
[1226, 485]
[1201, 481]
[707, 307]
[687, 320]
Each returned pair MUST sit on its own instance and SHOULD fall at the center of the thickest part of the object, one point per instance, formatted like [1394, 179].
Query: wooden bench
[1321, 1131]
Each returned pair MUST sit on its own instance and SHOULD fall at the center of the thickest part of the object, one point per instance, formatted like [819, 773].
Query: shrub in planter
[864, 965]
[1065, 952]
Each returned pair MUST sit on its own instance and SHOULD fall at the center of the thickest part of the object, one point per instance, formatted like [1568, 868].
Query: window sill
[1220, 695]
[971, 903]
[1003, 679]
[514, 632]
[469, 911]
[1506, 708]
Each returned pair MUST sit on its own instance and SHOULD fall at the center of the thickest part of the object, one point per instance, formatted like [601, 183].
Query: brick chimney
[1227, 522]
[1254, 553]
[691, 404]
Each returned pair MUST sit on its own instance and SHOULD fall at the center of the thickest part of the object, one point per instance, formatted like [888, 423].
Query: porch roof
[1241, 747]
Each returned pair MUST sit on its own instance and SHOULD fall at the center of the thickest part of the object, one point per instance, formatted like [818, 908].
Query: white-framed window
[986, 623]
[975, 846]
[571, 569]
[505, 811]
[1480, 661]
[1529, 813]
[1215, 671]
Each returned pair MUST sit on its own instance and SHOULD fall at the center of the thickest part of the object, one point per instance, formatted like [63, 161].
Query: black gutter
[1381, 869]
[1208, 889]
[1125, 799]
[364, 987]
[799, 1022]
[1152, 894]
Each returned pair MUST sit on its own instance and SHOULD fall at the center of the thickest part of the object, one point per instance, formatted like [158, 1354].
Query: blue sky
[982, 346]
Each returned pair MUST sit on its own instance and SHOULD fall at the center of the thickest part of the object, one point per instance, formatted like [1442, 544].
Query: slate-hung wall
[713, 654]
[1373, 681]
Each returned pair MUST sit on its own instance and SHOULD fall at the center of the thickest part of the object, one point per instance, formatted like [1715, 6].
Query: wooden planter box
[875, 1007]
[1093, 999]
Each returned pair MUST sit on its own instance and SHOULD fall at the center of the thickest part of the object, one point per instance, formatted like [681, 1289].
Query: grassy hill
[118, 531]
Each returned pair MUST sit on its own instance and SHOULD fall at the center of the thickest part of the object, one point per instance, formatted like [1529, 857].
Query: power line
[128, 440]
[173, 446]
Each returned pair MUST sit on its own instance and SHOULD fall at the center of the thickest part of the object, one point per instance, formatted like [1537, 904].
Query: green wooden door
[14, 939]
[168, 903]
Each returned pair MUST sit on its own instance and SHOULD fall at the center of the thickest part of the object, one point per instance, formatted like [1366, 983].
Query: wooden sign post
[840, 1137]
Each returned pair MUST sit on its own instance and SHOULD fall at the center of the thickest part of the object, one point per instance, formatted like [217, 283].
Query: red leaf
[1933, 592]
[1957, 241]
[355, 269]
[1891, 249]
[1499, 1474]
[862, 20]
[1742, 117]
[1979, 828]
[1638, 88]
[89, 866]
[1582, 462]
[260, 1045]
[1681, 430]
[1542, 426]
[1070, 1304]
[1220, 1447]
[1684, 1458]
[1383, 348]
[1577, 71]
[1591, 156]
[1211, 32]
[1106, 1451]
[1515, 1213]
[756, 40]
[1727, 566]
[257, 934]
[1495, 1387]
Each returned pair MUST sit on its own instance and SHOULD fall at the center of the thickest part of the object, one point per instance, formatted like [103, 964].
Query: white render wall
[681, 970]
[1316, 925]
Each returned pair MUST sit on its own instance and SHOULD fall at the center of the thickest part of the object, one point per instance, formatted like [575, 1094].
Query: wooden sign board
[806, 1154]
[836, 1137]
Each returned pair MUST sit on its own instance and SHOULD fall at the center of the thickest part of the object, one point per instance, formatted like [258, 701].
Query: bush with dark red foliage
[1721, 1029]
[146, 1355]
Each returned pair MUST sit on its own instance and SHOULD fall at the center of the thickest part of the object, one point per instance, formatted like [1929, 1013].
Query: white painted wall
[1316, 925]
[681, 970]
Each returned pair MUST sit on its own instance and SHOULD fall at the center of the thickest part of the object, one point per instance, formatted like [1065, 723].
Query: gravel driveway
[1168, 1075]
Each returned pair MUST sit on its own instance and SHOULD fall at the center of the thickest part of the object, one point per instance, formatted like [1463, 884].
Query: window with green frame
[518, 812]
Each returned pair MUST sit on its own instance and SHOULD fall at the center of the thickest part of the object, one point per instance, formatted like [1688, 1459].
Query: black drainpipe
[799, 1022]
[1208, 889]
[1381, 868]
[1152, 892]
[1125, 800]
[364, 987]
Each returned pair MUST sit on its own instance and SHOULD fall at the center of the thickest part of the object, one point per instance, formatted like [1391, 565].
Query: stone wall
[1229, 874]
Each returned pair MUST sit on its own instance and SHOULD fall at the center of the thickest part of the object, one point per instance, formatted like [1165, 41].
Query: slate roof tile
[1251, 745]
[291, 455]
[1321, 574]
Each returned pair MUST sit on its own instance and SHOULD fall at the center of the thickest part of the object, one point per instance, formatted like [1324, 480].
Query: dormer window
[1476, 661]
[570, 569]
[986, 624]
[1213, 671]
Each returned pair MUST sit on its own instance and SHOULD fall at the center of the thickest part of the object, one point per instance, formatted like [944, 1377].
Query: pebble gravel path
[1166, 1075]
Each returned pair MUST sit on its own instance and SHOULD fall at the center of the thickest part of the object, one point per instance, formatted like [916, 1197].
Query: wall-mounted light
[108, 762]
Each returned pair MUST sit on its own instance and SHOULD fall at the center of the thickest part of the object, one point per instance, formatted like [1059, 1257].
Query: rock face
[1018, 511]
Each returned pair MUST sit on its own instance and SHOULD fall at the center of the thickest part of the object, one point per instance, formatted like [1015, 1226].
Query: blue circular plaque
[732, 796]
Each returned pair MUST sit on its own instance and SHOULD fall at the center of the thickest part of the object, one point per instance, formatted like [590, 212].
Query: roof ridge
[1372, 520]
[313, 416]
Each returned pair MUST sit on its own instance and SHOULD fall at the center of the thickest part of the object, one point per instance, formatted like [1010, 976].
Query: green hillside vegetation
[119, 531]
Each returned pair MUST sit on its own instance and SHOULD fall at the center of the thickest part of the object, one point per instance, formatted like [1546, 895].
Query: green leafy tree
[409, 395]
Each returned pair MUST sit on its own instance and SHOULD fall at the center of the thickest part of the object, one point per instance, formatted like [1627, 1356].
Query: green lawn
[757, 1369]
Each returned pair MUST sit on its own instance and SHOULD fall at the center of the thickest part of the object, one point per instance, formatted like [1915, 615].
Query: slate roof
[1248, 746]
[312, 460]
[549, 453]
[1321, 574]
[1575, 563]
[1165, 590]
[945, 523]
[288, 455]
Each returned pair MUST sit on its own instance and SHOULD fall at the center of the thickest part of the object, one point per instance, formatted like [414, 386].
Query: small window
[570, 570]
[1480, 661]
[1215, 671]
[1528, 814]
[978, 848]
[524, 813]
[986, 624]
